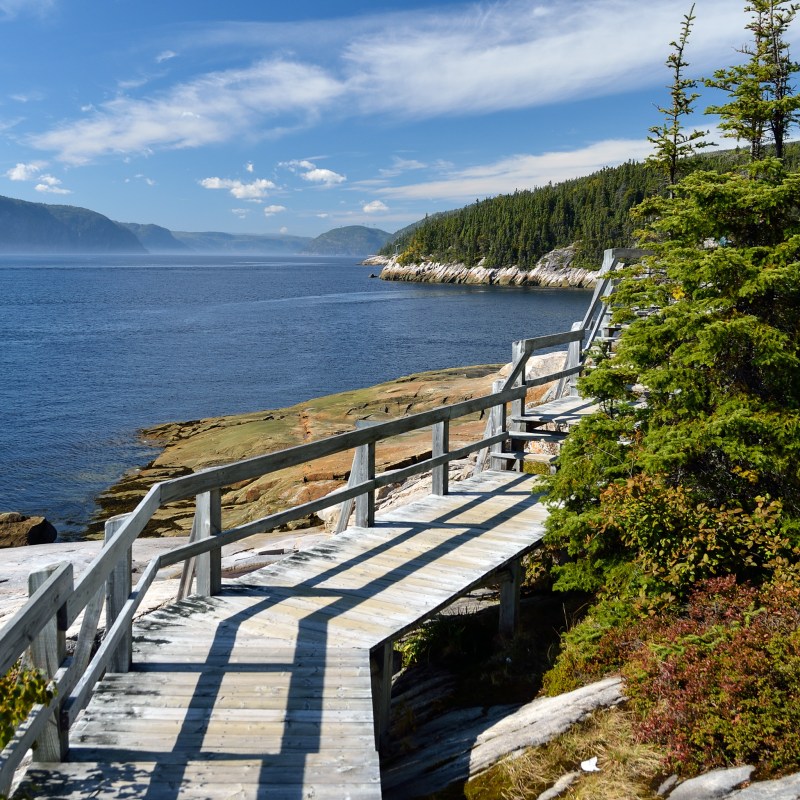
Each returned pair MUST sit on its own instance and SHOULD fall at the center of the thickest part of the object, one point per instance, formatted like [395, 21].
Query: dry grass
[628, 770]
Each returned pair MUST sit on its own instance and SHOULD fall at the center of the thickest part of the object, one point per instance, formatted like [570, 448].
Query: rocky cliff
[554, 269]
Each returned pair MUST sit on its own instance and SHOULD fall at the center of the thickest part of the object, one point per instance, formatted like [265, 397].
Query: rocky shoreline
[553, 270]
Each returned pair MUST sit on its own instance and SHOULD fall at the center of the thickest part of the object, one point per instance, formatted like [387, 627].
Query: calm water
[94, 348]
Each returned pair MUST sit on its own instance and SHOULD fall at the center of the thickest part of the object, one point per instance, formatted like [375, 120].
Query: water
[93, 348]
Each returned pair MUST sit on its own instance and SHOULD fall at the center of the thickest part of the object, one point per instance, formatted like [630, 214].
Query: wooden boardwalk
[279, 686]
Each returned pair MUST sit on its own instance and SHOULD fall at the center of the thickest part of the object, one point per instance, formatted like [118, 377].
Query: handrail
[58, 598]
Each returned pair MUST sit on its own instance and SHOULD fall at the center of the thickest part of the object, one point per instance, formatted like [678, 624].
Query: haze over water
[93, 348]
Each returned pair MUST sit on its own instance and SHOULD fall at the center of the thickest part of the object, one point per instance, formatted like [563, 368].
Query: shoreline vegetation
[553, 270]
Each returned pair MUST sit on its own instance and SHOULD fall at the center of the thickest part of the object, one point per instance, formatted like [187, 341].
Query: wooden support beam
[365, 503]
[209, 524]
[511, 581]
[381, 665]
[118, 588]
[441, 445]
[48, 652]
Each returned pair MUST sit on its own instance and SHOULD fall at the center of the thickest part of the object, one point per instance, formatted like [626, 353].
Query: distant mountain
[238, 243]
[41, 228]
[352, 240]
[155, 238]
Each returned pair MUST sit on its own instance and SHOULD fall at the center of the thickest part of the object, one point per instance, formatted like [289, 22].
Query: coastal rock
[17, 530]
[463, 743]
[554, 269]
[718, 783]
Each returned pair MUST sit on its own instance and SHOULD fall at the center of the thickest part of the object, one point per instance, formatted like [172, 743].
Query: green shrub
[20, 690]
[679, 540]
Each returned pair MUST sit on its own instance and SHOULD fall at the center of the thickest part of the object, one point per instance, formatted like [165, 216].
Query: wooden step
[538, 436]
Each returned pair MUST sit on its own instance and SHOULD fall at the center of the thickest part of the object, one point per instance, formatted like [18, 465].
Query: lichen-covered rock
[17, 530]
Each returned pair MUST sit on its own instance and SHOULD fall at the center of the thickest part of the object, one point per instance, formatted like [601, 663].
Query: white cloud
[165, 55]
[310, 172]
[212, 108]
[240, 212]
[375, 207]
[50, 185]
[325, 176]
[323, 215]
[26, 172]
[284, 230]
[270, 211]
[518, 54]
[256, 190]
[522, 172]
[148, 181]
[249, 166]
[460, 59]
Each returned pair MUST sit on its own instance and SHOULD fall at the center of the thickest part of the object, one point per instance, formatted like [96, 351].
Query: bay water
[94, 348]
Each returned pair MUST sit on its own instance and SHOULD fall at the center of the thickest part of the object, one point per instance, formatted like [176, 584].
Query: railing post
[509, 598]
[497, 415]
[381, 663]
[118, 589]
[48, 651]
[518, 406]
[365, 503]
[209, 523]
[574, 360]
[441, 445]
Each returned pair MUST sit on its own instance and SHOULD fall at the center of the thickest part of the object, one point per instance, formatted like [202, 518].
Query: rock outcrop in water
[554, 270]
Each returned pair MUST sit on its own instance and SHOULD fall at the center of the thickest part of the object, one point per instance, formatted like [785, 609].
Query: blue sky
[304, 115]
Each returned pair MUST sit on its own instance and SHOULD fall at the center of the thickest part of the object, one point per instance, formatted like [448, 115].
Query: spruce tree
[672, 142]
[762, 105]
[720, 360]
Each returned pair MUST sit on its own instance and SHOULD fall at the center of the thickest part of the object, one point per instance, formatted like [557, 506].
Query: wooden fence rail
[55, 603]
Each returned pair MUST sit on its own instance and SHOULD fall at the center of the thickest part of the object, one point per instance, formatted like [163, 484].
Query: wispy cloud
[521, 172]
[491, 57]
[254, 191]
[210, 109]
[9, 9]
[464, 59]
[270, 211]
[165, 55]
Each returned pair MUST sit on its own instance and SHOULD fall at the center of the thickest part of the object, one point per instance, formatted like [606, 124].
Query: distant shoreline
[553, 270]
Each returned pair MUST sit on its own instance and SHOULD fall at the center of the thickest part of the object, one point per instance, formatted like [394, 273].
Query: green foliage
[761, 104]
[20, 690]
[718, 684]
[672, 142]
[679, 541]
[520, 228]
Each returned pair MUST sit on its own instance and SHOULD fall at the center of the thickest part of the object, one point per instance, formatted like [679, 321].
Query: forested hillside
[518, 229]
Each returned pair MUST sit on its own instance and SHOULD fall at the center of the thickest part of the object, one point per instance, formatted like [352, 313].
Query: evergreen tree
[762, 105]
[705, 479]
[671, 141]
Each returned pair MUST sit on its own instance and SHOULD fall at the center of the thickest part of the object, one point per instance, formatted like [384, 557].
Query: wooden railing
[56, 601]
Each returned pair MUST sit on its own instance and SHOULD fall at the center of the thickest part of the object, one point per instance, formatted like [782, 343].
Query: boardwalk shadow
[310, 748]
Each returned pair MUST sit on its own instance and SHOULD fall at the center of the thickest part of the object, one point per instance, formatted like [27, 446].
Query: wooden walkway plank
[267, 689]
